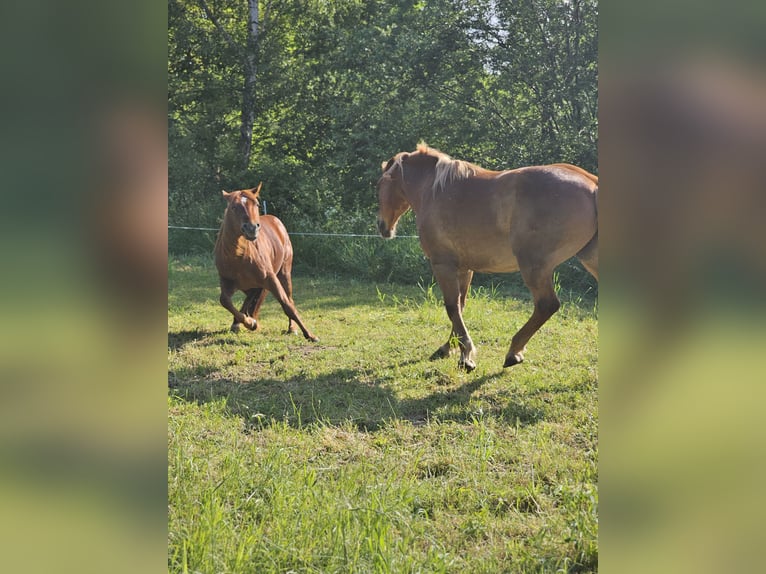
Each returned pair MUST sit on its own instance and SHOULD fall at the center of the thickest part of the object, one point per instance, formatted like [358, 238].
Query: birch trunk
[248, 90]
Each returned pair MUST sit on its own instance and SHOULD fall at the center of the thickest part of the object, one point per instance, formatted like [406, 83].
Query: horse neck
[417, 187]
[230, 239]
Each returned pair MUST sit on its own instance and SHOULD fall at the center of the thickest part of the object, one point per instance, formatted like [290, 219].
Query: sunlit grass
[358, 454]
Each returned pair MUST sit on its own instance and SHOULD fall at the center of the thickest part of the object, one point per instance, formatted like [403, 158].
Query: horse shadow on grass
[348, 396]
[180, 339]
[202, 338]
[456, 404]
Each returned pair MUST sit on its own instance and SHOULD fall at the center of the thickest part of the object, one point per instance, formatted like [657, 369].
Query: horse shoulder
[275, 228]
[281, 245]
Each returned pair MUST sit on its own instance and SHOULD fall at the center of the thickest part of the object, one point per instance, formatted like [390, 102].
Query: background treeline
[310, 96]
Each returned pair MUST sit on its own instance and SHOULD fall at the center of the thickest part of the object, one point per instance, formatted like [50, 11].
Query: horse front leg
[445, 350]
[540, 284]
[450, 282]
[227, 291]
[249, 307]
[275, 286]
[259, 294]
[464, 283]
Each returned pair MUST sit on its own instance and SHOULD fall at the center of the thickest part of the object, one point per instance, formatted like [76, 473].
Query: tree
[248, 56]
[309, 96]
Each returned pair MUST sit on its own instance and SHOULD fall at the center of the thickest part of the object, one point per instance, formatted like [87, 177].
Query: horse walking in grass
[472, 219]
[253, 254]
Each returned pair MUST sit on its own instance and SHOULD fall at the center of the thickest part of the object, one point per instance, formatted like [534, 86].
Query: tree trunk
[248, 90]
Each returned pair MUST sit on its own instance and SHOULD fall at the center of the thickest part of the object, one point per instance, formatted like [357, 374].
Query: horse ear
[225, 194]
[257, 190]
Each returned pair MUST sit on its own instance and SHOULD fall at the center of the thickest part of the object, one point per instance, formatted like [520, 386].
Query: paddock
[357, 453]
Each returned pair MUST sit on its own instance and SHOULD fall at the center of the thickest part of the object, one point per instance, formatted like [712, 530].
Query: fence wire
[318, 234]
[313, 234]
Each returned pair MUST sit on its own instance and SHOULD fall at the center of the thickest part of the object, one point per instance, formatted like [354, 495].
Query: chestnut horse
[253, 254]
[471, 219]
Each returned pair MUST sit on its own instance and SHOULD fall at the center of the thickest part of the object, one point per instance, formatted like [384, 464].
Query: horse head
[242, 211]
[392, 203]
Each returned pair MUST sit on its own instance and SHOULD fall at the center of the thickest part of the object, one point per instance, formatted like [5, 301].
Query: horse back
[577, 169]
[274, 224]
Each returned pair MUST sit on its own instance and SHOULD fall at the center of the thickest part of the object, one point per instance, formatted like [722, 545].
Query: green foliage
[366, 258]
[343, 85]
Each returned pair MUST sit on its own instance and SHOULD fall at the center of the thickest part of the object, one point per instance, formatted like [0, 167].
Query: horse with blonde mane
[471, 219]
[253, 254]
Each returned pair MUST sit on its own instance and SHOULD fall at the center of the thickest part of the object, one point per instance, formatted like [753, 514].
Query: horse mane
[447, 169]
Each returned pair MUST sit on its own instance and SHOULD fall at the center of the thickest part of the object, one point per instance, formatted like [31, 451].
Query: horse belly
[499, 258]
[483, 238]
[253, 277]
[473, 243]
[245, 275]
[480, 251]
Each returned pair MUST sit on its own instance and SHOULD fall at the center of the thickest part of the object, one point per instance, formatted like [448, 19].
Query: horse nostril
[250, 230]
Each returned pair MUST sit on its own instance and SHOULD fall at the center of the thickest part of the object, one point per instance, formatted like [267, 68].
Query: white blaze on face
[243, 201]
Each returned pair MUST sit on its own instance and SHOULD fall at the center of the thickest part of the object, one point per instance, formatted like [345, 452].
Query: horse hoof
[251, 323]
[511, 360]
[313, 339]
[235, 327]
[466, 366]
[439, 353]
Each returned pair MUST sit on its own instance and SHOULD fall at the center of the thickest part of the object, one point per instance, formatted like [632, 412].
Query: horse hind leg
[588, 256]
[256, 303]
[539, 281]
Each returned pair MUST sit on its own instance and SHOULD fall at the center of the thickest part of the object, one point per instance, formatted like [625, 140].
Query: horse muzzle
[250, 231]
[384, 230]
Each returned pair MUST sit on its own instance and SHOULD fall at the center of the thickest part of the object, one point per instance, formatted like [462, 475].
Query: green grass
[357, 454]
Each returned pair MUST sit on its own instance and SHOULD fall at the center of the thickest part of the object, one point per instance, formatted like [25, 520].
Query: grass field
[357, 454]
